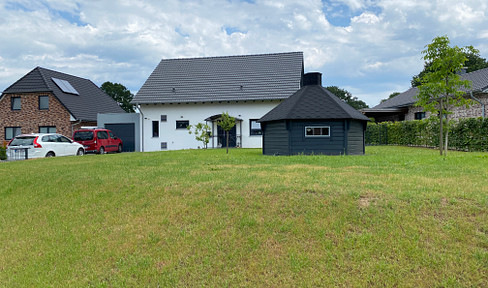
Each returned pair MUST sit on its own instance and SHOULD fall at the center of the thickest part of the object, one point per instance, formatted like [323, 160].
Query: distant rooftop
[81, 97]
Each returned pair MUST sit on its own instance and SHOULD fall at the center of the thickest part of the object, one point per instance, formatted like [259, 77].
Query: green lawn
[397, 216]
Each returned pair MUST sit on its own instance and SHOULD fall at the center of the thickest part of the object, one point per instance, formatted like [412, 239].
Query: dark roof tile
[478, 78]
[313, 102]
[85, 106]
[229, 78]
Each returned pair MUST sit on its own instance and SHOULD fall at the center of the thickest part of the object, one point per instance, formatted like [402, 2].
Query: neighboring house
[49, 101]
[182, 92]
[313, 121]
[401, 107]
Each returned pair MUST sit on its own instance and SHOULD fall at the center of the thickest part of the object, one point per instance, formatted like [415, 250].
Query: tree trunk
[447, 131]
[441, 127]
[227, 141]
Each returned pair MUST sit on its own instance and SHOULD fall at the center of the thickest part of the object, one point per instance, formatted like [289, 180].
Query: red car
[98, 140]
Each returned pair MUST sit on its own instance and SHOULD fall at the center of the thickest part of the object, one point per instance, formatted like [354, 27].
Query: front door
[222, 139]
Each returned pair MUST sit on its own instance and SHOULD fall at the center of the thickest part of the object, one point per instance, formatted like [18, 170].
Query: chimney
[312, 78]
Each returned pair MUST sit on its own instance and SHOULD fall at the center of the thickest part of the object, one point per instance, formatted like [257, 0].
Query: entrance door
[232, 136]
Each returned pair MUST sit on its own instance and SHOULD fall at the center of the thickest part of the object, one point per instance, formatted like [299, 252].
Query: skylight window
[65, 86]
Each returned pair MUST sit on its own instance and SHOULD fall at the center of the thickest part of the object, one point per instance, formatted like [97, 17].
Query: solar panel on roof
[65, 86]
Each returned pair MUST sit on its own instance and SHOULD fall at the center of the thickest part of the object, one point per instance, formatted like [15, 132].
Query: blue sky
[368, 47]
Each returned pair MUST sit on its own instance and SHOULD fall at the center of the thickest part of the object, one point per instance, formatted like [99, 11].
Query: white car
[26, 146]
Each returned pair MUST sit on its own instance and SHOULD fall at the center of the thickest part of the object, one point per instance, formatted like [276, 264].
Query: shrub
[467, 134]
[3, 153]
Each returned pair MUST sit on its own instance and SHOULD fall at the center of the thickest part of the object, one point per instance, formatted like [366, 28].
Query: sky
[371, 48]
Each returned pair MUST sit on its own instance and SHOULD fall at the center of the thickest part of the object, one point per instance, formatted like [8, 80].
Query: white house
[182, 92]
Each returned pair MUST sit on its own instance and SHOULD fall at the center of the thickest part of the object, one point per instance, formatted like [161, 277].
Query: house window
[182, 124]
[43, 102]
[155, 128]
[15, 103]
[419, 115]
[317, 131]
[164, 145]
[255, 127]
[47, 129]
[164, 118]
[11, 132]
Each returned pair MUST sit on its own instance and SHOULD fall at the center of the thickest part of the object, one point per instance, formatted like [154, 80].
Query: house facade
[47, 101]
[183, 92]
[402, 107]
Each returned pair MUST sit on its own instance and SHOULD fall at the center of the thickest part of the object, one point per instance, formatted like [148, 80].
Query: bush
[3, 153]
[467, 134]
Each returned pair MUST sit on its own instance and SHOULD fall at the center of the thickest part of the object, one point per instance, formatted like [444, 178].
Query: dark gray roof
[313, 102]
[479, 83]
[229, 78]
[404, 99]
[85, 106]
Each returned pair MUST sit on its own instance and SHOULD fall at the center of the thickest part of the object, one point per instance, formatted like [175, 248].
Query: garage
[126, 132]
[126, 126]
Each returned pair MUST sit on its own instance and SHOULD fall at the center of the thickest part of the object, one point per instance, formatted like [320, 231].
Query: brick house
[49, 101]
[402, 107]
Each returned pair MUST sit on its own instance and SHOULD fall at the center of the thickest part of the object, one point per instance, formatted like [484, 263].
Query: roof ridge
[41, 71]
[234, 56]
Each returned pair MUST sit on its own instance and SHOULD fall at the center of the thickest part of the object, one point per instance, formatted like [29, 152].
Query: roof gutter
[479, 101]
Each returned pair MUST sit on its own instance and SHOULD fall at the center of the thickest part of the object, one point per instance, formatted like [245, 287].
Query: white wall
[197, 113]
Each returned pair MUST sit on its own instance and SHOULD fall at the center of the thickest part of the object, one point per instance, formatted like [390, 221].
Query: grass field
[402, 217]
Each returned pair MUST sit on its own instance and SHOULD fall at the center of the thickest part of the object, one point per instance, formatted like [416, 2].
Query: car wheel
[102, 150]
[50, 154]
[119, 149]
[80, 152]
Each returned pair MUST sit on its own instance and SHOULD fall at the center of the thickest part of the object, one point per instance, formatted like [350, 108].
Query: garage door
[126, 132]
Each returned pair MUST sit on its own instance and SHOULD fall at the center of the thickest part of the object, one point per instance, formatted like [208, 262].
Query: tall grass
[394, 217]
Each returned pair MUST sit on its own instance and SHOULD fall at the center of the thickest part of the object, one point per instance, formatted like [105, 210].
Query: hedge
[467, 134]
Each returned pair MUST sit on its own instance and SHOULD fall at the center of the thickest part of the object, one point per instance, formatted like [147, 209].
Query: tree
[442, 87]
[226, 122]
[394, 94]
[202, 133]
[120, 94]
[474, 62]
[347, 97]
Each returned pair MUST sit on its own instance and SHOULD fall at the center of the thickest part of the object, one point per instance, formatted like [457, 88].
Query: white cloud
[124, 41]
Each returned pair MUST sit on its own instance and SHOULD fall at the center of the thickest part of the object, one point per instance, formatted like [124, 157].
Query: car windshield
[23, 141]
[83, 135]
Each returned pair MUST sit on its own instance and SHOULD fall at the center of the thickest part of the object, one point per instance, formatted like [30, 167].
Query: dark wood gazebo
[313, 121]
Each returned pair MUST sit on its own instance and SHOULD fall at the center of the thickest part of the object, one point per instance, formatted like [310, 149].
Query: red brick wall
[29, 117]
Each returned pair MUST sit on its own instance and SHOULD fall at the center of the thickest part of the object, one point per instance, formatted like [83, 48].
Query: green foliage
[3, 153]
[347, 97]
[202, 133]
[473, 62]
[227, 123]
[467, 134]
[120, 94]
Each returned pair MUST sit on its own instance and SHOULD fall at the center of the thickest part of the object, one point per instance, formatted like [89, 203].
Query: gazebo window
[317, 131]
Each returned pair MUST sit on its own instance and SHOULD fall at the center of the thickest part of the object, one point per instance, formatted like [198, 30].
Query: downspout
[142, 128]
[73, 127]
[482, 104]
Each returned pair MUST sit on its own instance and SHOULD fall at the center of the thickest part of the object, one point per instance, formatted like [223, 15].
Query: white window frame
[316, 136]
